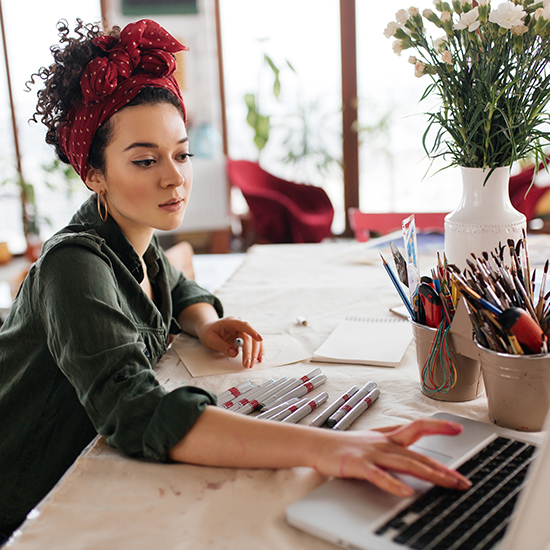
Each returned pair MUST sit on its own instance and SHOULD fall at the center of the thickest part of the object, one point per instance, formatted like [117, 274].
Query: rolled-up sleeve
[98, 346]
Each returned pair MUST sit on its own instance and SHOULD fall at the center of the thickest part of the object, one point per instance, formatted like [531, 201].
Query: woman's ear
[95, 180]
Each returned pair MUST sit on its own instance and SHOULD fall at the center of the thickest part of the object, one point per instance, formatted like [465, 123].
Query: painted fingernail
[247, 363]
[233, 352]
[261, 357]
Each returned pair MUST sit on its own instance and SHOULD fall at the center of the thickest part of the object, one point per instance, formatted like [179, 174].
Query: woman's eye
[185, 156]
[145, 162]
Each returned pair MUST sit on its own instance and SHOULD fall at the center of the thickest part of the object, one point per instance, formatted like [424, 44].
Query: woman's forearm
[227, 439]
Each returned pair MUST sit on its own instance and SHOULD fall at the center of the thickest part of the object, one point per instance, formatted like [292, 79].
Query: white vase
[484, 218]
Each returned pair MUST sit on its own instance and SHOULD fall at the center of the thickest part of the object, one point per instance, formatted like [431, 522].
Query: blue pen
[398, 288]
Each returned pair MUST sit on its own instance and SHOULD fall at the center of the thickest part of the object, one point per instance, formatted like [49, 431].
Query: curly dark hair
[62, 89]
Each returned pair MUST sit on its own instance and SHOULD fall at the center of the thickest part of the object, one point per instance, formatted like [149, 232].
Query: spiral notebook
[366, 341]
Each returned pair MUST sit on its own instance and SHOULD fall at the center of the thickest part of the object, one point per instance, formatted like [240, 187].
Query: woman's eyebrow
[150, 145]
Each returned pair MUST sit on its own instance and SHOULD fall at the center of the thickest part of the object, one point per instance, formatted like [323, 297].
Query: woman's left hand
[220, 335]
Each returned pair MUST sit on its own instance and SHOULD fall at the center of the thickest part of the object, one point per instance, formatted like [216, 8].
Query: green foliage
[258, 122]
[490, 72]
[256, 119]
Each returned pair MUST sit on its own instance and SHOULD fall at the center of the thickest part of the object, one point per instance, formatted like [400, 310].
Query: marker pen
[238, 342]
[308, 376]
[252, 394]
[274, 410]
[346, 407]
[281, 390]
[358, 410]
[289, 410]
[254, 404]
[320, 419]
[235, 391]
[306, 409]
[235, 401]
[302, 390]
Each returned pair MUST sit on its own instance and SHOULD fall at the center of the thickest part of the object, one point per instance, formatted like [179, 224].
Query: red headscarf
[141, 57]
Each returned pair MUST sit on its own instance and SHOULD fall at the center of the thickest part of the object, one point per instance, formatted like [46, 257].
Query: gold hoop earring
[99, 201]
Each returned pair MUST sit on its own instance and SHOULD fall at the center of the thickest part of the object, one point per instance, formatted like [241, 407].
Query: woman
[96, 311]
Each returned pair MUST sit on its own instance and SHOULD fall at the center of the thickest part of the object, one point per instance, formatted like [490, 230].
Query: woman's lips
[173, 205]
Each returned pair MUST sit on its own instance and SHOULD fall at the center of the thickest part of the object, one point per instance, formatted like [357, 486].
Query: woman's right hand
[370, 454]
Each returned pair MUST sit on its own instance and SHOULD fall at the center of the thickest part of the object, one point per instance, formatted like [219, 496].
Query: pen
[320, 419]
[235, 391]
[306, 409]
[302, 390]
[252, 394]
[254, 404]
[290, 384]
[289, 410]
[238, 342]
[233, 403]
[358, 410]
[398, 287]
[348, 406]
[308, 376]
[274, 410]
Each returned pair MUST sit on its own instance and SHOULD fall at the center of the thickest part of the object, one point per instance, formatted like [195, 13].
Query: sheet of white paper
[280, 349]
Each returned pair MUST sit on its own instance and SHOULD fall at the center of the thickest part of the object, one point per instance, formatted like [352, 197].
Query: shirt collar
[87, 217]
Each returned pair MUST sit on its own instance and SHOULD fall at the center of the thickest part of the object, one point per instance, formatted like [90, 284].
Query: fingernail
[233, 352]
[406, 491]
[261, 357]
[464, 483]
[247, 363]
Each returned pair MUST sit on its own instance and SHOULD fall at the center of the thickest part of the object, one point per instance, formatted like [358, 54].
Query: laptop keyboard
[447, 519]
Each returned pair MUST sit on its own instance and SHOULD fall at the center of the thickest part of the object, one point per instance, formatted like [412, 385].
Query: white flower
[438, 42]
[546, 3]
[518, 30]
[419, 69]
[486, 2]
[508, 15]
[402, 16]
[543, 12]
[447, 57]
[445, 16]
[468, 20]
[391, 29]
[413, 11]
[412, 60]
[427, 13]
[397, 46]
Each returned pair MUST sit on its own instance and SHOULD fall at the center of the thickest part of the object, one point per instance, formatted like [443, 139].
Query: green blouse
[76, 359]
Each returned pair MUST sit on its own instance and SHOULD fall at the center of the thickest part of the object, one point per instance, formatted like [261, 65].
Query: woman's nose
[173, 175]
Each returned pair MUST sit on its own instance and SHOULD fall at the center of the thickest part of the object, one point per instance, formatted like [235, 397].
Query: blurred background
[263, 81]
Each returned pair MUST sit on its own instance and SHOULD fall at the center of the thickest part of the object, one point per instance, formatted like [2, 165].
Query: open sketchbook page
[280, 349]
[366, 341]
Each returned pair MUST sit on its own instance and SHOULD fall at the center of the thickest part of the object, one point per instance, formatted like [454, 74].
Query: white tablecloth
[110, 501]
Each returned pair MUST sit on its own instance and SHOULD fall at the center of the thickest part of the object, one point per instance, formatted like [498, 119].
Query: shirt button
[120, 377]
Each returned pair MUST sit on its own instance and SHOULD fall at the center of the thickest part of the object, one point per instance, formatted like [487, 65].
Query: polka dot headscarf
[141, 57]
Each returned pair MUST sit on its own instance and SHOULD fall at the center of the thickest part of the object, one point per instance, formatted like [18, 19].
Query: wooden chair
[367, 224]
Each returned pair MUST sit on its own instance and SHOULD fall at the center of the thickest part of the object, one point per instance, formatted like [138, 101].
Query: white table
[110, 501]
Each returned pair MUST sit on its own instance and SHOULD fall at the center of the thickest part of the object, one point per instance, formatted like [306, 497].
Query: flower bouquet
[489, 68]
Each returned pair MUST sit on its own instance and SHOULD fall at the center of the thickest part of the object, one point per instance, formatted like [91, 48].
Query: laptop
[507, 507]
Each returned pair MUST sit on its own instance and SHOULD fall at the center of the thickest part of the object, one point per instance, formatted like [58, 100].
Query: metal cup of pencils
[446, 374]
[442, 333]
[511, 324]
